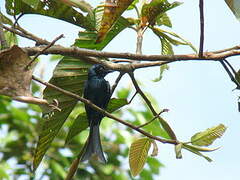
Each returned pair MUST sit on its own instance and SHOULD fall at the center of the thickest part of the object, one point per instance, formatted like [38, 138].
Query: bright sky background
[198, 94]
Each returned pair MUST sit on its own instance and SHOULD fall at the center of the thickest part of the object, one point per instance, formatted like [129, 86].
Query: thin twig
[116, 82]
[23, 33]
[43, 50]
[133, 97]
[231, 67]
[148, 102]
[155, 117]
[230, 74]
[201, 9]
[89, 103]
[16, 19]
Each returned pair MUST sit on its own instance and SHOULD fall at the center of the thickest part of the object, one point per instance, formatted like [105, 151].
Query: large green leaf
[79, 124]
[138, 155]
[70, 75]
[53, 8]
[163, 19]
[208, 136]
[87, 39]
[110, 15]
[151, 11]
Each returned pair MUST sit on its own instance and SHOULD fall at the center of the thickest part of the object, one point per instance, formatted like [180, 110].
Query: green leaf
[58, 169]
[115, 104]
[208, 136]
[32, 3]
[166, 47]
[70, 75]
[79, 124]
[201, 149]
[138, 155]
[53, 8]
[5, 20]
[167, 35]
[123, 93]
[150, 11]
[81, 4]
[163, 68]
[110, 16]
[133, 5]
[163, 19]
[87, 39]
[154, 165]
[193, 150]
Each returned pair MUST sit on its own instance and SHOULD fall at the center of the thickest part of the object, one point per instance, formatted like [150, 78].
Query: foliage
[60, 135]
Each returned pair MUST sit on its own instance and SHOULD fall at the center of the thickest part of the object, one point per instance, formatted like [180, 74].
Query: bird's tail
[93, 145]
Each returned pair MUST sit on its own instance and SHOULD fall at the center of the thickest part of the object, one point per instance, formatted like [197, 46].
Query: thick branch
[80, 52]
[89, 103]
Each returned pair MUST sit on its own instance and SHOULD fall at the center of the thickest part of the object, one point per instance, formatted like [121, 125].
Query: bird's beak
[109, 71]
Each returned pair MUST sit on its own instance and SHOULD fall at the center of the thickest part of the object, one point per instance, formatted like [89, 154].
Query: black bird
[97, 90]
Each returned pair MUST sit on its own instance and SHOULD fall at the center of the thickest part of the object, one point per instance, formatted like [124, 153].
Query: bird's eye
[101, 68]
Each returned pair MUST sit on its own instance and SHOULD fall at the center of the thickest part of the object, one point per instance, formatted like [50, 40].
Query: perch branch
[89, 103]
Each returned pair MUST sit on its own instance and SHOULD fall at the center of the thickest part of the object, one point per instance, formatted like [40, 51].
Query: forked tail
[94, 145]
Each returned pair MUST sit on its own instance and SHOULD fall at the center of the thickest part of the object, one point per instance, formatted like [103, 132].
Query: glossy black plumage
[97, 90]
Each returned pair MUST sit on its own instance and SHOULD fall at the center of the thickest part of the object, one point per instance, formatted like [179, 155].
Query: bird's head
[98, 70]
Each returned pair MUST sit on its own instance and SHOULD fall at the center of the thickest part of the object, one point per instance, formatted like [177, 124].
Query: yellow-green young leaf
[208, 136]
[178, 151]
[201, 149]
[155, 149]
[193, 150]
[138, 155]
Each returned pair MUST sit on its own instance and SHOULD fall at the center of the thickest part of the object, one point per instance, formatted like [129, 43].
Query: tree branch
[23, 33]
[232, 77]
[201, 8]
[89, 103]
[80, 52]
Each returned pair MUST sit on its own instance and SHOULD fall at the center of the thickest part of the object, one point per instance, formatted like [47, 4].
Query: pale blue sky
[198, 94]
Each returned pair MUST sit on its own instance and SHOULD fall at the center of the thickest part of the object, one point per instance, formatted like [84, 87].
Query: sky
[199, 94]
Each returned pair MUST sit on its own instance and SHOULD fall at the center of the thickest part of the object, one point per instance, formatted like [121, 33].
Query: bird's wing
[108, 95]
